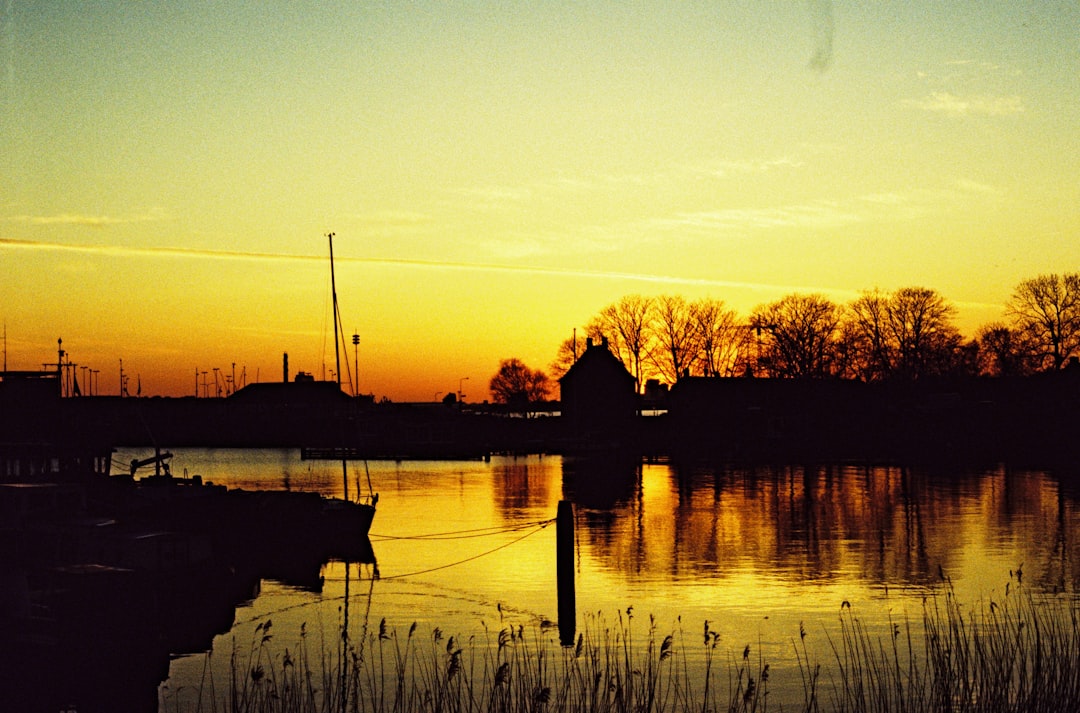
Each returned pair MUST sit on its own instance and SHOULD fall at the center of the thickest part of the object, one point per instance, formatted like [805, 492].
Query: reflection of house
[597, 393]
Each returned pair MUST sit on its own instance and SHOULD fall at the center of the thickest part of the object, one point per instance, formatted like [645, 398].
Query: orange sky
[496, 174]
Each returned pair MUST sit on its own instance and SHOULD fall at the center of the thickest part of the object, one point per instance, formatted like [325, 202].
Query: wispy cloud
[815, 215]
[726, 169]
[981, 104]
[391, 218]
[442, 266]
[129, 251]
[969, 186]
[88, 221]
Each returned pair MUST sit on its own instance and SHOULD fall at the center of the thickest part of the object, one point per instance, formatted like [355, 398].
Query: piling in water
[564, 556]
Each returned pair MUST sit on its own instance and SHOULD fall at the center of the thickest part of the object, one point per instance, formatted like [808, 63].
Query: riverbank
[1031, 420]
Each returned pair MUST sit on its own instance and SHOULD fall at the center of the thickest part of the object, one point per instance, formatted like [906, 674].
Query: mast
[337, 358]
[333, 292]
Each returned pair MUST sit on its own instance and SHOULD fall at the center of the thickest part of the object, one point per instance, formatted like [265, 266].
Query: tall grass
[1020, 653]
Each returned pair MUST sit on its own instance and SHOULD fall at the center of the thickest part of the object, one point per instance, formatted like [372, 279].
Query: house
[598, 395]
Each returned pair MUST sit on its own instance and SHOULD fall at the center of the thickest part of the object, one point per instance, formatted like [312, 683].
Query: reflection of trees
[523, 487]
[886, 525]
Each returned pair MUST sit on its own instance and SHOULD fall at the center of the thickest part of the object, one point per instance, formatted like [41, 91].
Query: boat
[351, 517]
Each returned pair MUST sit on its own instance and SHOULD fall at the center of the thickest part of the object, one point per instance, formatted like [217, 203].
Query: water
[756, 552]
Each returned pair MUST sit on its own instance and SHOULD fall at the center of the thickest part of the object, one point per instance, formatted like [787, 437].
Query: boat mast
[333, 292]
[337, 357]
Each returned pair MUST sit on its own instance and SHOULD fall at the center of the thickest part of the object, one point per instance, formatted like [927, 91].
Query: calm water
[756, 552]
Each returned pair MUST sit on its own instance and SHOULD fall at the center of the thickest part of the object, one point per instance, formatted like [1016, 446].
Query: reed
[1018, 653]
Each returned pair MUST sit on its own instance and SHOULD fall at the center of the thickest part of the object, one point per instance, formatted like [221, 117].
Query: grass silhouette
[1019, 653]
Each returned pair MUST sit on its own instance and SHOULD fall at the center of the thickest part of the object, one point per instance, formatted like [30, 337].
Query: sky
[496, 173]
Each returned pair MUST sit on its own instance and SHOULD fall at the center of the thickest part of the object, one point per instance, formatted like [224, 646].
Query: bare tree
[866, 337]
[569, 351]
[922, 332]
[516, 384]
[1004, 351]
[673, 331]
[908, 333]
[799, 335]
[724, 341]
[625, 324]
[1047, 309]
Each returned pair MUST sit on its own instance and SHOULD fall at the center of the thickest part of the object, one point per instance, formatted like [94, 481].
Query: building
[598, 395]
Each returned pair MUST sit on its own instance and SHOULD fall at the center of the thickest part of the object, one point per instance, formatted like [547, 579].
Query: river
[761, 553]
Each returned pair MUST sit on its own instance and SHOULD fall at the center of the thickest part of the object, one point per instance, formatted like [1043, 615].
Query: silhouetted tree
[922, 332]
[1047, 310]
[724, 342]
[866, 337]
[1004, 351]
[568, 352]
[798, 335]
[906, 334]
[518, 385]
[672, 328]
[625, 324]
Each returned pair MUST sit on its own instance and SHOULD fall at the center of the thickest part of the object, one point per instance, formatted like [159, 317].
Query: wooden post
[564, 565]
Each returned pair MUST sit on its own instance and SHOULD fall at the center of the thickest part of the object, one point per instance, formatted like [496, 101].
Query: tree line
[907, 334]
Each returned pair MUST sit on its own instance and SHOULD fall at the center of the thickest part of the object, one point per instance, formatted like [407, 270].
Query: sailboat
[349, 517]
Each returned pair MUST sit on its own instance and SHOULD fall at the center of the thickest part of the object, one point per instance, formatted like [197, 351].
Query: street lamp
[461, 396]
[356, 365]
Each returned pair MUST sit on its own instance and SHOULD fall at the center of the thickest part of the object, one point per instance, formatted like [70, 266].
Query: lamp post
[356, 365]
[460, 396]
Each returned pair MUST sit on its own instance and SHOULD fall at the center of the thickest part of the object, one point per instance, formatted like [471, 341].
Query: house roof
[597, 359]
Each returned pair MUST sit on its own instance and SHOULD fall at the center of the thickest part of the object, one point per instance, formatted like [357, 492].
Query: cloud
[953, 105]
[816, 215]
[392, 218]
[725, 169]
[128, 251]
[969, 186]
[88, 221]
[13, 244]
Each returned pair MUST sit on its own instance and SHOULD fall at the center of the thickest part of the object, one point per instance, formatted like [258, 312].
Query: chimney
[588, 343]
[285, 367]
[603, 342]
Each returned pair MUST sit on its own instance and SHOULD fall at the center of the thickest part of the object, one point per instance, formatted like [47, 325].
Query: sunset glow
[496, 173]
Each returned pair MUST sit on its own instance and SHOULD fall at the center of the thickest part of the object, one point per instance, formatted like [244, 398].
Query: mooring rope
[466, 534]
[538, 527]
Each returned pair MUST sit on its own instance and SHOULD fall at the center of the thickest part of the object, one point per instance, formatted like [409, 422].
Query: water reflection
[884, 526]
[756, 550]
[93, 637]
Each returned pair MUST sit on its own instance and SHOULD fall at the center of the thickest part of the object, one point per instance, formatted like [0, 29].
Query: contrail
[839, 293]
[15, 244]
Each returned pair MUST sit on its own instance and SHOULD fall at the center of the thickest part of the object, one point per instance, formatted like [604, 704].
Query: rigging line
[469, 559]
[465, 534]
